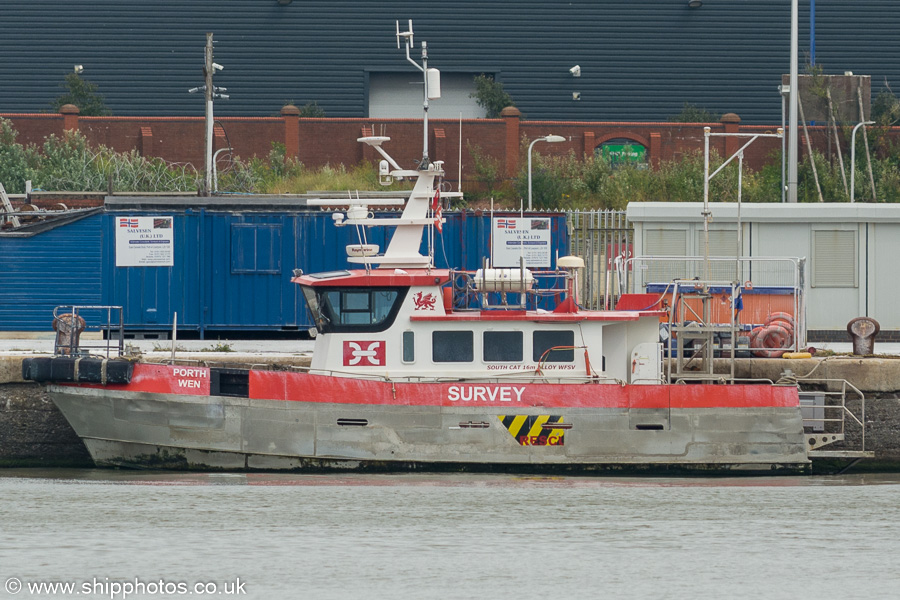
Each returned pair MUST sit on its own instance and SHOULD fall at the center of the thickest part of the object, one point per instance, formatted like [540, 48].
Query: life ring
[781, 318]
[754, 333]
[771, 341]
[748, 285]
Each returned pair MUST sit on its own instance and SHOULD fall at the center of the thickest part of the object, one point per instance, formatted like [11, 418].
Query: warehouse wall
[639, 60]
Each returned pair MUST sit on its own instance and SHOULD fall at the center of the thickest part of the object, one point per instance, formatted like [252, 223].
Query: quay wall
[34, 433]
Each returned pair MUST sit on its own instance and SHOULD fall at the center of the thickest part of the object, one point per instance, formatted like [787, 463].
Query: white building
[850, 253]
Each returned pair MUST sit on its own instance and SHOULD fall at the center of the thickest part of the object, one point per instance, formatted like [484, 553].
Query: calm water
[449, 536]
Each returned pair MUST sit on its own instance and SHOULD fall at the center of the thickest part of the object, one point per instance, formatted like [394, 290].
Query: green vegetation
[299, 180]
[83, 94]
[488, 178]
[886, 109]
[17, 163]
[309, 110]
[695, 114]
[68, 163]
[217, 347]
[568, 183]
[162, 347]
[490, 96]
[220, 347]
[312, 110]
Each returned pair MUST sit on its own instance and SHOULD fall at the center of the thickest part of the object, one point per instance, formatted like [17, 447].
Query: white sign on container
[144, 242]
[515, 237]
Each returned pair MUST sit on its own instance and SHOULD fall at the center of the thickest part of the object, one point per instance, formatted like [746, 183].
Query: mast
[431, 85]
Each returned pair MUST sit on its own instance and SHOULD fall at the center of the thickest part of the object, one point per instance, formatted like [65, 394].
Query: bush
[83, 94]
[549, 185]
[68, 164]
[887, 186]
[488, 176]
[17, 163]
[695, 114]
[490, 96]
[363, 176]
[886, 109]
[312, 110]
[566, 182]
[129, 171]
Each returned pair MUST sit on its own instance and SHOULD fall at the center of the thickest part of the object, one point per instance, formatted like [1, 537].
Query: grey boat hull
[172, 431]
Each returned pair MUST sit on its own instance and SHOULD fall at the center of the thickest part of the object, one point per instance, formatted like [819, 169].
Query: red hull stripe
[163, 379]
[539, 317]
[301, 387]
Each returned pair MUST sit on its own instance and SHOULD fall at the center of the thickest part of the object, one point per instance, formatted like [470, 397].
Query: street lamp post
[553, 139]
[792, 110]
[853, 158]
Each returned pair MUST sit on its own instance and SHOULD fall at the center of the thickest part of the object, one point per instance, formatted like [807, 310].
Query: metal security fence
[605, 240]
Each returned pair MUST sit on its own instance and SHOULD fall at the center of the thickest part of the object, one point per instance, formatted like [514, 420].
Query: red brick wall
[34, 127]
[181, 139]
[333, 141]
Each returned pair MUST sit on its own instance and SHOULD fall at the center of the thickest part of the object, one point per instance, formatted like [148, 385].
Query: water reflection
[433, 536]
[164, 478]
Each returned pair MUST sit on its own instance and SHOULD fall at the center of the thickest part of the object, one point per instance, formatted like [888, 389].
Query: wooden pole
[837, 140]
[862, 117]
[809, 150]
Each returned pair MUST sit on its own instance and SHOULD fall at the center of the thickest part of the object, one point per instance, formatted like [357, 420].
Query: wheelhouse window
[409, 346]
[353, 309]
[502, 346]
[452, 346]
[554, 346]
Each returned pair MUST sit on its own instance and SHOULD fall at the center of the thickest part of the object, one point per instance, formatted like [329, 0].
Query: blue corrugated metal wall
[150, 295]
[231, 270]
[53, 268]
[639, 60]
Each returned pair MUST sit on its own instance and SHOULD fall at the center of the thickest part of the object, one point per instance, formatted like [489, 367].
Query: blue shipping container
[48, 269]
[231, 268]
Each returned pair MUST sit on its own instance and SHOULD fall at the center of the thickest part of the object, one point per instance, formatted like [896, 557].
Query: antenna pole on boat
[459, 160]
[408, 38]
[174, 334]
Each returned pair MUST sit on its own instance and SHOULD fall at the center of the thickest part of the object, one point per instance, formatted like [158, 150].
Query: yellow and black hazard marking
[536, 430]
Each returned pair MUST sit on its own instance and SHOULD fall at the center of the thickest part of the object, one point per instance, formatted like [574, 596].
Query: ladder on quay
[8, 208]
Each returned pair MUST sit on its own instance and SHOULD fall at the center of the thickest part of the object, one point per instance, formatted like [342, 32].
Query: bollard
[862, 331]
[68, 329]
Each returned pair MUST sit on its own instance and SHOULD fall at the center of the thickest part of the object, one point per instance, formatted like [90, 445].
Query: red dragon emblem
[424, 302]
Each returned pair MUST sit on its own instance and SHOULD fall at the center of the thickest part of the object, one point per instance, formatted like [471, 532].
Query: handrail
[843, 409]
